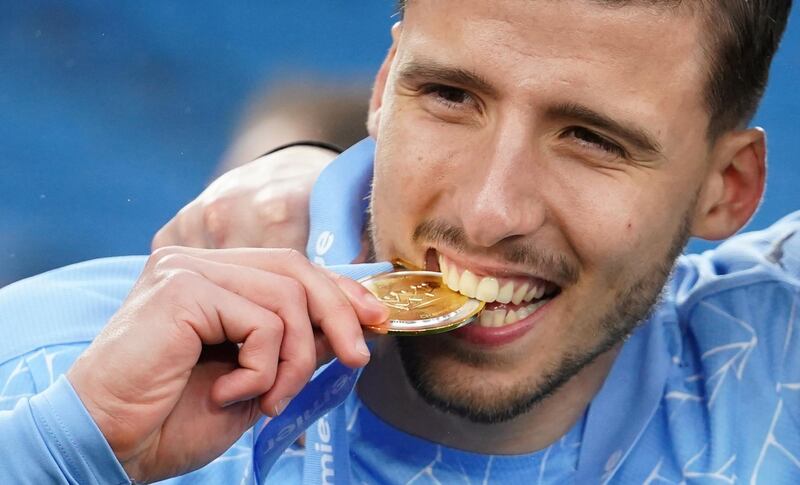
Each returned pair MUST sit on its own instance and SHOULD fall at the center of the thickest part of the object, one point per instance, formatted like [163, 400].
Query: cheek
[398, 186]
[400, 194]
[617, 225]
[414, 162]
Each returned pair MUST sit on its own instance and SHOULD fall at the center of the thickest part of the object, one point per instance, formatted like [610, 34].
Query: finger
[368, 308]
[324, 350]
[329, 307]
[279, 294]
[270, 403]
[225, 315]
[257, 359]
[165, 236]
[289, 381]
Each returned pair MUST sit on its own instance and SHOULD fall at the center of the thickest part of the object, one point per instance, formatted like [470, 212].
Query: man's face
[552, 150]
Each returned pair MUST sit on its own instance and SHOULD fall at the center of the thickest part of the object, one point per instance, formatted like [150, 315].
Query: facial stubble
[489, 403]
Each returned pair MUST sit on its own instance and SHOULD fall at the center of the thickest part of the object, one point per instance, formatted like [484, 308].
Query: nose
[504, 197]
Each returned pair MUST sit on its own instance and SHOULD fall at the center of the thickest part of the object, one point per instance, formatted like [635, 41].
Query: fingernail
[361, 348]
[282, 405]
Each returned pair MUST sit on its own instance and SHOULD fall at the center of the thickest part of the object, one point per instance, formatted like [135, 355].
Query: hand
[206, 341]
[261, 204]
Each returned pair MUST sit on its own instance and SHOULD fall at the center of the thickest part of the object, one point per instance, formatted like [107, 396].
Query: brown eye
[448, 95]
[593, 140]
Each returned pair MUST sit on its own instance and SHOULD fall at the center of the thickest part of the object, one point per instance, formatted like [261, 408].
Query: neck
[385, 389]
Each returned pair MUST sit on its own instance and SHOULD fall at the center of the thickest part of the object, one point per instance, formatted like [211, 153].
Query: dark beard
[637, 301]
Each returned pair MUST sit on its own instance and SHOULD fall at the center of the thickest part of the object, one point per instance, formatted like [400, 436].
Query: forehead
[636, 60]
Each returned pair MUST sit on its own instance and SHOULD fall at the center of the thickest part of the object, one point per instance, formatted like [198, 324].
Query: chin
[480, 387]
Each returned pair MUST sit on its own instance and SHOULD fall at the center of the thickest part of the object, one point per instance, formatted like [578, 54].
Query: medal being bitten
[420, 304]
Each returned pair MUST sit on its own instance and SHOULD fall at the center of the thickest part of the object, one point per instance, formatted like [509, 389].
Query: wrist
[321, 145]
[298, 158]
[118, 439]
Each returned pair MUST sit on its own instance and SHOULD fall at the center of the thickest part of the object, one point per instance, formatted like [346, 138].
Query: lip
[498, 336]
[488, 337]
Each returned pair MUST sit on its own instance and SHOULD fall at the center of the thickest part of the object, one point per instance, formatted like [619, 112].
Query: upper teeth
[488, 288]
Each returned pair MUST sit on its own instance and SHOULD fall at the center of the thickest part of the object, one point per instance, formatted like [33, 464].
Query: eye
[452, 97]
[594, 141]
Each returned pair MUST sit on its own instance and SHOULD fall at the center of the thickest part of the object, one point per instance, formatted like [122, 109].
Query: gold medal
[420, 304]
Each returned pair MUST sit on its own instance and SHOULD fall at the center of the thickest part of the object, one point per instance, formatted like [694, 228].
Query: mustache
[518, 253]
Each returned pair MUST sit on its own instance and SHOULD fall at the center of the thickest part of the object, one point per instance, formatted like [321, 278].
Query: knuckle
[172, 260]
[298, 372]
[340, 307]
[293, 257]
[161, 238]
[216, 215]
[178, 285]
[306, 364]
[218, 206]
[335, 277]
[183, 219]
[161, 253]
[273, 212]
[272, 325]
[295, 291]
[179, 279]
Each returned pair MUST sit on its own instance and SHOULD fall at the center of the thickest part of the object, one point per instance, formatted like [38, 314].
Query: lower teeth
[500, 317]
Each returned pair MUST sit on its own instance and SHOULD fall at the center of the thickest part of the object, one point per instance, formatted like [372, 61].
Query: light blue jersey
[706, 391]
[721, 356]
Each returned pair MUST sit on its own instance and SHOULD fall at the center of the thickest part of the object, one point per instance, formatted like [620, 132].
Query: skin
[501, 163]
[496, 163]
[207, 341]
[262, 204]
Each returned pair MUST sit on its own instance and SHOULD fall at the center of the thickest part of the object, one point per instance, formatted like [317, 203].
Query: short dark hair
[742, 39]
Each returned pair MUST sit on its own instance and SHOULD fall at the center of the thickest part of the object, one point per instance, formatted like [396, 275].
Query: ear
[376, 100]
[734, 185]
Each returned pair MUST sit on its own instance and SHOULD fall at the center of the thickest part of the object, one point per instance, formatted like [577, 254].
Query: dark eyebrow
[635, 135]
[433, 71]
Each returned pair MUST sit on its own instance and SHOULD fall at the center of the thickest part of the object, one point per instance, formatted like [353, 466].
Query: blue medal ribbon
[337, 214]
